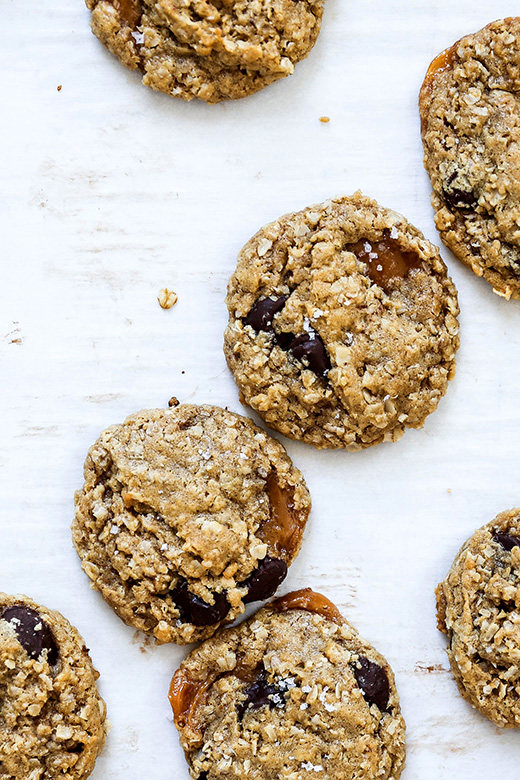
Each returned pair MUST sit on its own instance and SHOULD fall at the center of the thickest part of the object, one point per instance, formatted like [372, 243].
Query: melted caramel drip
[442, 62]
[282, 531]
[310, 601]
[385, 260]
[185, 696]
[130, 12]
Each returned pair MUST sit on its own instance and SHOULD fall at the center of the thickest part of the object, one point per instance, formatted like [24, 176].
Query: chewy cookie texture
[52, 719]
[292, 692]
[186, 515]
[479, 609]
[470, 119]
[342, 324]
[223, 49]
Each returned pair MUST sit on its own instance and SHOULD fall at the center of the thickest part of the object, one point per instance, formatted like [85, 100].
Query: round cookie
[290, 692]
[470, 119]
[209, 50]
[52, 719]
[342, 324]
[478, 607]
[186, 515]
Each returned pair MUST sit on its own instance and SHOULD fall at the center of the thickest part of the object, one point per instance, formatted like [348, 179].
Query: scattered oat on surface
[167, 298]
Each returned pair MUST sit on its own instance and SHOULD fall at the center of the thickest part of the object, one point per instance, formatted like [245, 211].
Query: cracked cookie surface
[52, 719]
[343, 324]
[185, 516]
[290, 692]
[470, 119]
[478, 608]
[225, 49]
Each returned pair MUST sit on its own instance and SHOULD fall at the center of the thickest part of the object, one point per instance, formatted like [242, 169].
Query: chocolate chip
[310, 350]
[197, 611]
[261, 694]
[373, 682]
[261, 315]
[264, 581]
[458, 198]
[284, 339]
[203, 776]
[32, 632]
[507, 541]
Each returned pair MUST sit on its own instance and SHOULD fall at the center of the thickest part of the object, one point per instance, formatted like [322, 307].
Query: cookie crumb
[173, 401]
[324, 119]
[59, 87]
[167, 298]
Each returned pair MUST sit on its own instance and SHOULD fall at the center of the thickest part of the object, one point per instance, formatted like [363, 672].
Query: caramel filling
[129, 11]
[443, 62]
[310, 601]
[185, 696]
[283, 530]
[385, 260]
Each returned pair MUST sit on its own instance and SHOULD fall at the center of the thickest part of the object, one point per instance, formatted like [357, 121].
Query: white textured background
[110, 192]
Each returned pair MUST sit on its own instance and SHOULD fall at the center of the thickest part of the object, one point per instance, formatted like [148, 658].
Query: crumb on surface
[59, 87]
[324, 119]
[173, 401]
[167, 298]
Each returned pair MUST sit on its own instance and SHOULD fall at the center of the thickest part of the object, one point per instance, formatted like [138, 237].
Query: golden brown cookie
[479, 609]
[470, 118]
[52, 719]
[342, 324]
[212, 50]
[291, 693]
[186, 515]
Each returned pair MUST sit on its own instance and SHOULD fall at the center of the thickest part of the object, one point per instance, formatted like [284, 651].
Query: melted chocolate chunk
[261, 694]
[507, 541]
[32, 632]
[263, 582]
[197, 611]
[458, 198]
[203, 776]
[310, 350]
[373, 682]
[284, 339]
[261, 315]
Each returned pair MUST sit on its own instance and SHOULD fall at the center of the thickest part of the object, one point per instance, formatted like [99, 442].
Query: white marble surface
[110, 192]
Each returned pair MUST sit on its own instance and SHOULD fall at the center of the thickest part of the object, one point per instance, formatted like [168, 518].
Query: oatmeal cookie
[342, 324]
[479, 609]
[212, 50]
[470, 118]
[290, 692]
[185, 516]
[52, 719]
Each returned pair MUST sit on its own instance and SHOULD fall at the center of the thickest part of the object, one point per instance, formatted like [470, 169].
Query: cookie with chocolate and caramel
[342, 324]
[292, 691]
[470, 120]
[52, 718]
[208, 49]
[478, 606]
[186, 515]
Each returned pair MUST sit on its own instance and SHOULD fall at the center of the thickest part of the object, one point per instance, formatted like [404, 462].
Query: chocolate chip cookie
[470, 116]
[290, 692]
[209, 49]
[186, 515]
[342, 324]
[52, 719]
[479, 609]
